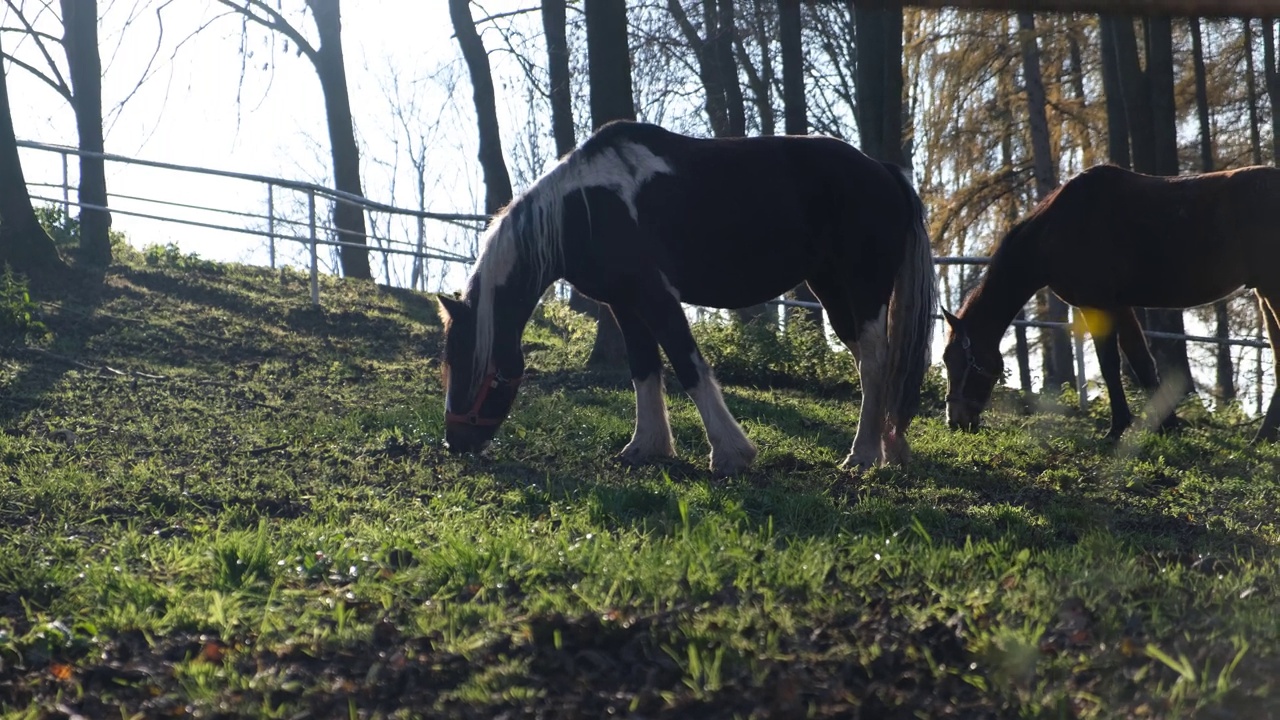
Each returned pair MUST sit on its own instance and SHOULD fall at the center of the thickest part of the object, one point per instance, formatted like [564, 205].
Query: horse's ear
[952, 320]
[451, 307]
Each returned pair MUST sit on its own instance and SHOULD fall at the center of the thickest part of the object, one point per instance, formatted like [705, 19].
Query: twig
[269, 449]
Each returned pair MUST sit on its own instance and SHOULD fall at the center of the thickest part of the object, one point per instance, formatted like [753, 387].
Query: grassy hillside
[217, 500]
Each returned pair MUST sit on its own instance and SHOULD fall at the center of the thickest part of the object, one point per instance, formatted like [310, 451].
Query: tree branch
[62, 90]
[37, 37]
[273, 21]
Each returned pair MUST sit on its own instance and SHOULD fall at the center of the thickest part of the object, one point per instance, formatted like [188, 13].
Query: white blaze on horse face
[731, 451]
[873, 355]
[652, 436]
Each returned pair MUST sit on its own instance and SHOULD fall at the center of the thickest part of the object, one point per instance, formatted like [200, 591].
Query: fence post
[66, 186]
[271, 223]
[315, 259]
[1081, 382]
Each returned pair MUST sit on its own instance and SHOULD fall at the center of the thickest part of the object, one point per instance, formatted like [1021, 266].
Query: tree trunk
[553, 26]
[1136, 94]
[1251, 89]
[24, 244]
[1058, 367]
[497, 183]
[1225, 386]
[795, 117]
[80, 40]
[1272, 75]
[331, 69]
[609, 73]
[878, 34]
[1171, 355]
[1117, 125]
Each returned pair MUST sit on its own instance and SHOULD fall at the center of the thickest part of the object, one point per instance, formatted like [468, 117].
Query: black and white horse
[643, 219]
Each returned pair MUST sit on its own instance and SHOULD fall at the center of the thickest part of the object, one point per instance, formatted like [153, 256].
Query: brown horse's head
[972, 371]
[480, 382]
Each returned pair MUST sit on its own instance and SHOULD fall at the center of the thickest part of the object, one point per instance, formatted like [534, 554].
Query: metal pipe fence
[313, 232]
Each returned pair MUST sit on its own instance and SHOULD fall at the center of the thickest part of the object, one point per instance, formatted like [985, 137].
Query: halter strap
[970, 365]
[492, 381]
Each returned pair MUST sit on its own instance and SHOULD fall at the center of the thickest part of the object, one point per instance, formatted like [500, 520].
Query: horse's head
[480, 377]
[972, 371]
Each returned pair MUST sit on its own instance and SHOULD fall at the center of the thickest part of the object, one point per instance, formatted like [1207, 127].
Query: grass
[218, 501]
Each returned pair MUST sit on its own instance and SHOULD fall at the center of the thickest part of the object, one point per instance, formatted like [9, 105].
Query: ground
[219, 501]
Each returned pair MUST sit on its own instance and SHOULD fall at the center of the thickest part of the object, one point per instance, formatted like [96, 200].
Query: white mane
[531, 228]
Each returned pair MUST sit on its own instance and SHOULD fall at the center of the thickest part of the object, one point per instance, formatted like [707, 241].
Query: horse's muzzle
[467, 438]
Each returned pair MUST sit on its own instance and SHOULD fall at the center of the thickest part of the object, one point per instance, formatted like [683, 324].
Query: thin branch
[274, 21]
[36, 36]
[62, 90]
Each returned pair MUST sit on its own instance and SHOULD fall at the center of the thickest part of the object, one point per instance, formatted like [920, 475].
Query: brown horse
[1109, 240]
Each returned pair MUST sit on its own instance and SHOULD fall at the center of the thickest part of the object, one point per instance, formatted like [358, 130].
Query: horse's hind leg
[1136, 349]
[1269, 304]
[870, 348]
[731, 451]
[652, 437]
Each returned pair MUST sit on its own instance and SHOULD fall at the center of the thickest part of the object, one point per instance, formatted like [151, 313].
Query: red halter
[492, 380]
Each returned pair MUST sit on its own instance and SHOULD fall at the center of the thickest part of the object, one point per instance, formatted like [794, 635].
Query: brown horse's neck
[1014, 275]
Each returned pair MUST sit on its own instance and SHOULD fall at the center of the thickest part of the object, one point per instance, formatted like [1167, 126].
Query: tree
[1224, 385]
[795, 113]
[879, 81]
[1171, 355]
[24, 244]
[1058, 369]
[80, 40]
[84, 94]
[496, 181]
[609, 75]
[327, 59]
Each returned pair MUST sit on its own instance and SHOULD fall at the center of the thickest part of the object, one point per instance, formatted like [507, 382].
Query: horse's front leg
[652, 437]
[731, 451]
[1106, 342]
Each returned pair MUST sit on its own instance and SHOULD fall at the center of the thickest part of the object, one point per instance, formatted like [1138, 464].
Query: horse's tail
[911, 317]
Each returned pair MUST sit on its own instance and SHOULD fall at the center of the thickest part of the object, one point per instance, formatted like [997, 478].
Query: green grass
[252, 513]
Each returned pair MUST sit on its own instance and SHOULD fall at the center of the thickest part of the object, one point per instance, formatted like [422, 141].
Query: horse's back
[1160, 241]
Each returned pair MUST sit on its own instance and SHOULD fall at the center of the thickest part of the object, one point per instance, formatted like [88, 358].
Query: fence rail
[314, 233]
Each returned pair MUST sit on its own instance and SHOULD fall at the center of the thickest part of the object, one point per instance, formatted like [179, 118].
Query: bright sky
[193, 109]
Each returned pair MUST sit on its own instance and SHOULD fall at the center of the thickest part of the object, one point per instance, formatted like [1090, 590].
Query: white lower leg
[873, 355]
[652, 436]
[731, 451]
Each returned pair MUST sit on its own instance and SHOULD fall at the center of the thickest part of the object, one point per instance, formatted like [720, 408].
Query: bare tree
[84, 94]
[1058, 368]
[327, 59]
[795, 111]
[24, 244]
[497, 182]
[609, 73]
[1224, 385]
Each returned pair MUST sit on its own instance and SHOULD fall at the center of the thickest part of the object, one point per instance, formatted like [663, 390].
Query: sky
[247, 103]
[194, 108]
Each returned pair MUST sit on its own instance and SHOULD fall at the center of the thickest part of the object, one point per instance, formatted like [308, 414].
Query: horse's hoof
[732, 462]
[896, 450]
[636, 456]
[1173, 424]
[859, 463]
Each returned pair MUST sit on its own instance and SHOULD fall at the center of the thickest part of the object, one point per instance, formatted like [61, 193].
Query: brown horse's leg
[1138, 352]
[1106, 340]
[1135, 347]
[1269, 304]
